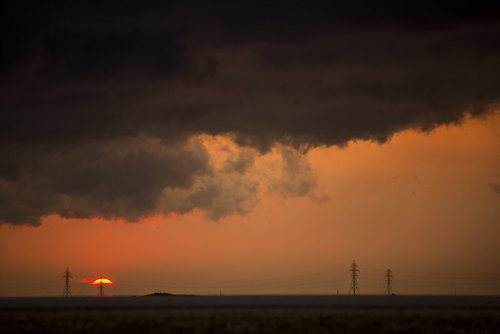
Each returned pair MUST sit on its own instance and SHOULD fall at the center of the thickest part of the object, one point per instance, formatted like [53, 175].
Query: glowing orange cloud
[100, 281]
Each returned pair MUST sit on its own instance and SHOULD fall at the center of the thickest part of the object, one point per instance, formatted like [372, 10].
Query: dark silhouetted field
[251, 314]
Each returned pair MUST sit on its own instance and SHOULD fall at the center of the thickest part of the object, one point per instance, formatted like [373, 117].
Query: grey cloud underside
[133, 178]
[80, 80]
[119, 178]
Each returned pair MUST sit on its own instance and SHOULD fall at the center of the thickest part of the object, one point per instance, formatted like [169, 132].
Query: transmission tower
[101, 288]
[354, 289]
[388, 282]
[67, 278]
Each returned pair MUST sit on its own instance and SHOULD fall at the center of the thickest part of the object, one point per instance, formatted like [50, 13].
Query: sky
[250, 147]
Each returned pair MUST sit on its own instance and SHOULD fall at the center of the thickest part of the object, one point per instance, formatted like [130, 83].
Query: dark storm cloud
[76, 79]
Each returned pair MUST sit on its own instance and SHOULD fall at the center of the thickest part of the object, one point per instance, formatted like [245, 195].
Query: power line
[408, 280]
[354, 289]
[67, 287]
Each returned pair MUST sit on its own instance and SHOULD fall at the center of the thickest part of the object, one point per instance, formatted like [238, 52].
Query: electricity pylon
[388, 282]
[67, 287]
[101, 288]
[354, 289]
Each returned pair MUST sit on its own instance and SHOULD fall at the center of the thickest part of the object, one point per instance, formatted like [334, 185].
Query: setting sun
[100, 281]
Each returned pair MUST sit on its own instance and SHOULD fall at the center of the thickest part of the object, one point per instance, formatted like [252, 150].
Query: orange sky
[421, 204]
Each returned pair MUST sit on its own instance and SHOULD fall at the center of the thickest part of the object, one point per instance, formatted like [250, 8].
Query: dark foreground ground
[252, 314]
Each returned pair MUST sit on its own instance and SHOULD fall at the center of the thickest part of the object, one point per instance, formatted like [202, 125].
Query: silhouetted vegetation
[166, 294]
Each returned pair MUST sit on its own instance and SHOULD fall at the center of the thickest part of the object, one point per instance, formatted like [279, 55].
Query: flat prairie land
[252, 314]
